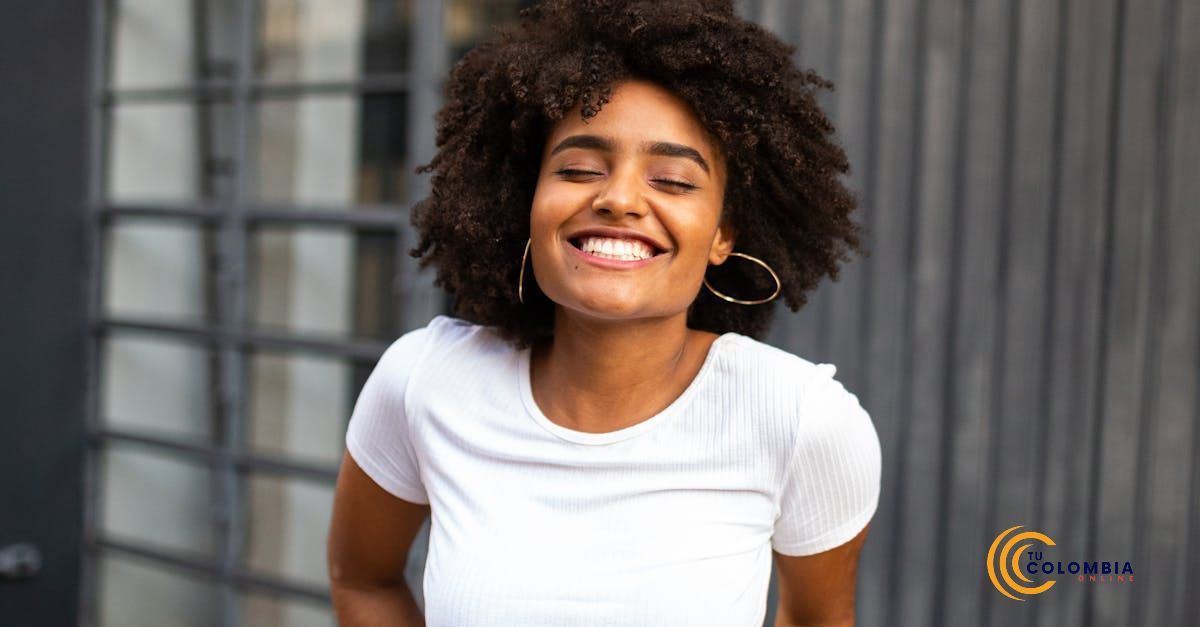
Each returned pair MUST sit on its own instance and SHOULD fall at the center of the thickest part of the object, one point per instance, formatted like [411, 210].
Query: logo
[1016, 567]
[1093, 572]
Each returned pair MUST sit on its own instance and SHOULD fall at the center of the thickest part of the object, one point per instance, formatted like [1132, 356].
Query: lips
[610, 262]
[576, 238]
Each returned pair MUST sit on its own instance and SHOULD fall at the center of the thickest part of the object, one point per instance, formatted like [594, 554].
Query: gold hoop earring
[778, 283]
[521, 277]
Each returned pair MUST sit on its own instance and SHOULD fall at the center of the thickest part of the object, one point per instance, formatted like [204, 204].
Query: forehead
[638, 112]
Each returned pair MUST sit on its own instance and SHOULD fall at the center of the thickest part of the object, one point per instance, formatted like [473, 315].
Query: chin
[606, 307]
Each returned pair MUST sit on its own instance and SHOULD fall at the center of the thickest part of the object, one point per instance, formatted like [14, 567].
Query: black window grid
[230, 218]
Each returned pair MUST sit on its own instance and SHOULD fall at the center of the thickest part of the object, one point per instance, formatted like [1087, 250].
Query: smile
[612, 252]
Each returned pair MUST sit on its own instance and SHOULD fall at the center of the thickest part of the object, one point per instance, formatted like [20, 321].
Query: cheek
[550, 205]
[694, 231]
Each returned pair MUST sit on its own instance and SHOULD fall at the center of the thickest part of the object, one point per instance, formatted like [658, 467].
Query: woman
[621, 190]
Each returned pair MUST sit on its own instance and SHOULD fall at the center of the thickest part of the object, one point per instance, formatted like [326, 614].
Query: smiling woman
[638, 171]
[752, 119]
[599, 434]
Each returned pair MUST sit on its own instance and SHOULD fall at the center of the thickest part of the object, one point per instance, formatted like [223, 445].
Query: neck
[600, 375]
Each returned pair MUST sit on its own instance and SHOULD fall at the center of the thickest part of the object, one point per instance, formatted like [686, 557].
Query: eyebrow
[661, 148]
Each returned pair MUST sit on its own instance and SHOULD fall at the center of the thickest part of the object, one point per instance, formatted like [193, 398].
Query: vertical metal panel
[96, 83]
[1019, 367]
[917, 432]
[855, 117]
[886, 305]
[931, 294]
[1052, 290]
[44, 62]
[1080, 247]
[1163, 451]
[815, 27]
[1152, 423]
[826, 21]
[1050, 453]
[972, 338]
[851, 112]
[1001, 440]
[1104, 326]
[1133, 208]
[420, 299]
[1029, 315]
[1170, 550]
[231, 275]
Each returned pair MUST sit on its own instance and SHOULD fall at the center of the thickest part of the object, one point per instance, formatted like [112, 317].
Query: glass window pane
[287, 528]
[139, 592]
[156, 269]
[325, 281]
[172, 43]
[332, 150]
[300, 405]
[388, 26]
[169, 152]
[152, 43]
[382, 157]
[262, 610]
[153, 499]
[468, 22]
[153, 385]
[332, 40]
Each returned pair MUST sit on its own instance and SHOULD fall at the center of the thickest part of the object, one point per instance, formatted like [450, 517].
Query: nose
[621, 195]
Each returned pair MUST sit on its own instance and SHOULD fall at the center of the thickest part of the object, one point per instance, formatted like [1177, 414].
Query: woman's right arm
[369, 538]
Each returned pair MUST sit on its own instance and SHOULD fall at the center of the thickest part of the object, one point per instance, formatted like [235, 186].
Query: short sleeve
[832, 481]
[379, 437]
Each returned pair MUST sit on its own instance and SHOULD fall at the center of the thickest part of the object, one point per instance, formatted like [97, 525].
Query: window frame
[230, 334]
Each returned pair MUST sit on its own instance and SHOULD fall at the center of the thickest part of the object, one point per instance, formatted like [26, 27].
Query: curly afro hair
[784, 193]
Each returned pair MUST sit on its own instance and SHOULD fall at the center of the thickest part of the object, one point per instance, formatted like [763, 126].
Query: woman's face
[626, 214]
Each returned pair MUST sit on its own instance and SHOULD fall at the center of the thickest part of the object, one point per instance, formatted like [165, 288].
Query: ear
[722, 243]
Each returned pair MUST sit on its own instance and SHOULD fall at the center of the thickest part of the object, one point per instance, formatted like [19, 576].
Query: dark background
[43, 115]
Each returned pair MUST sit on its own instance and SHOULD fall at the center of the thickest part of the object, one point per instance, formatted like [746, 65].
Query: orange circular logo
[1007, 569]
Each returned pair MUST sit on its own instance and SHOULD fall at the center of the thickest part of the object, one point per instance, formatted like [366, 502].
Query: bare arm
[818, 590]
[369, 539]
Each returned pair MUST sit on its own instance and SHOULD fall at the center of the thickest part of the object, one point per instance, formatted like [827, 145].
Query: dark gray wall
[42, 320]
[1025, 332]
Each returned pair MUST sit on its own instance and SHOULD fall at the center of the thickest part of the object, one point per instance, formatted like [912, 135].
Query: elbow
[343, 578]
[349, 574]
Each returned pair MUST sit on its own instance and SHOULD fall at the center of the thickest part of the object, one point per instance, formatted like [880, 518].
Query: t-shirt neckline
[608, 437]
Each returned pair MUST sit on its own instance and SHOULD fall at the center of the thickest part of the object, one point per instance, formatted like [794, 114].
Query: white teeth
[629, 250]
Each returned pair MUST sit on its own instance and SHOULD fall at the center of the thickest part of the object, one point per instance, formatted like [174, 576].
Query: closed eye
[570, 172]
[573, 172]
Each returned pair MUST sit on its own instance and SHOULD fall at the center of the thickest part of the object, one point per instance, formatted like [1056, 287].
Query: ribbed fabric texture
[668, 522]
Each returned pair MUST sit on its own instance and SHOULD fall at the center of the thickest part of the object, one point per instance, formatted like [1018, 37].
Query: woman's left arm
[818, 590]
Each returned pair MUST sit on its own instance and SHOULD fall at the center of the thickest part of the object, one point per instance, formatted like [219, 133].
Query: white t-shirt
[670, 521]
